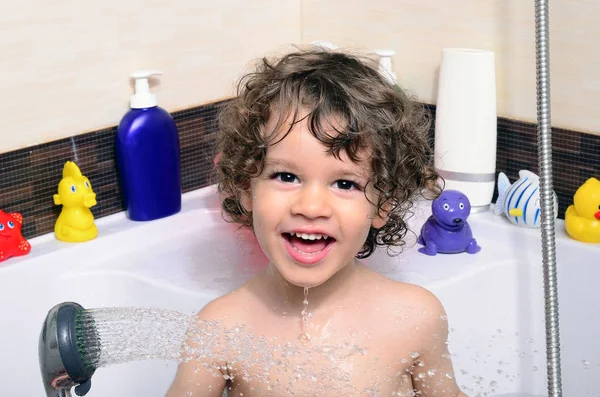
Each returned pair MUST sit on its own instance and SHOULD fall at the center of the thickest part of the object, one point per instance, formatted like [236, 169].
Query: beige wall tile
[65, 65]
[418, 30]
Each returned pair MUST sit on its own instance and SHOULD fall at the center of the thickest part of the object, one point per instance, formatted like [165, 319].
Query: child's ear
[246, 200]
[379, 221]
[381, 217]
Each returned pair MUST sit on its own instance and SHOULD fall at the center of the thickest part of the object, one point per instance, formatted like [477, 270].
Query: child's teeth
[307, 236]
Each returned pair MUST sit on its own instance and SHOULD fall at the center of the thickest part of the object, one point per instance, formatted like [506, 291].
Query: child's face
[305, 190]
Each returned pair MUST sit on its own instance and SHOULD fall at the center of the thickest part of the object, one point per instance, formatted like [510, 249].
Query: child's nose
[312, 202]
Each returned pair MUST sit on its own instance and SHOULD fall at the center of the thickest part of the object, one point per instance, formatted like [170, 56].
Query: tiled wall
[418, 31]
[29, 177]
[66, 64]
[575, 156]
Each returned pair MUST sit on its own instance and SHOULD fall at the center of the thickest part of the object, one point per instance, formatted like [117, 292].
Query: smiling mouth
[308, 243]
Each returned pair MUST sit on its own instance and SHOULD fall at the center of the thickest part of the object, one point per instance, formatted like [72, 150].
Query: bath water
[304, 336]
[119, 335]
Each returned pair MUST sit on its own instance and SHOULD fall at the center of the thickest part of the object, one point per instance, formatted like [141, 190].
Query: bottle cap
[142, 97]
[385, 65]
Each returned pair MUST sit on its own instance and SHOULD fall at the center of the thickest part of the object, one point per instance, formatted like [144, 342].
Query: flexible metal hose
[544, 137]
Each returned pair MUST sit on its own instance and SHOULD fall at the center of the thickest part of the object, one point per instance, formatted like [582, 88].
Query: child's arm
[433, 376]
[199, 377]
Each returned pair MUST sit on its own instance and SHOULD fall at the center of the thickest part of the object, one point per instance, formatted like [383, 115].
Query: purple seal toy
[447, 230]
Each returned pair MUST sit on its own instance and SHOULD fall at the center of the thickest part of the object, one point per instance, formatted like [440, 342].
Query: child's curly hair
[374, 115]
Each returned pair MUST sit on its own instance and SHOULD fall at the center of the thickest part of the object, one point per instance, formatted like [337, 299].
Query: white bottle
[327, 45]
[385, 65]
[465, 124]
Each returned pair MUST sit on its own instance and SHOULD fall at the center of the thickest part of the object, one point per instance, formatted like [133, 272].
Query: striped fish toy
[520, 202]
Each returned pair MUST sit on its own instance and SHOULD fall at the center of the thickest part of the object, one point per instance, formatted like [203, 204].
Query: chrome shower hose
[544, 139]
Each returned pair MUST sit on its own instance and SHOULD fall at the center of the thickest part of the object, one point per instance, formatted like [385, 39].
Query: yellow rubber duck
[582, 219]
[75, 224]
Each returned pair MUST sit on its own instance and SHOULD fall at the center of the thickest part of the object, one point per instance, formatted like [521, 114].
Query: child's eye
[346, 185]
[284, 177]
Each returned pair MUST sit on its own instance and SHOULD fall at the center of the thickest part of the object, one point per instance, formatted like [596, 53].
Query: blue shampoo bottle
[148, 156]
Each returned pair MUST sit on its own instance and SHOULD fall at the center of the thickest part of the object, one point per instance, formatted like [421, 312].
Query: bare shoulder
[412, 303]
[225, 309]
[417, 297]
[213, 322]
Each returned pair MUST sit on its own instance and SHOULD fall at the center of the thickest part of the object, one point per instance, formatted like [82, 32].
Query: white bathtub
[494, 299]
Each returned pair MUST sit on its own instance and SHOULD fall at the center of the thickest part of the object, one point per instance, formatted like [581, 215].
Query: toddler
[322, 158]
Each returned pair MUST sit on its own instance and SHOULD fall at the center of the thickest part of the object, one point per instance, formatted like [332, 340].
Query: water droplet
[449, 375]
[415, 355]
[585, 362]
[443, 317]
[431, 372]
[534, 368]
[305, 337]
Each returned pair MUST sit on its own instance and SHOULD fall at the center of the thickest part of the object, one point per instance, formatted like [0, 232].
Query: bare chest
[337, 365]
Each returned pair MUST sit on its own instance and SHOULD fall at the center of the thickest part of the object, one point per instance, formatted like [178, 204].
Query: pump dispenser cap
[143, 98]
[385, 65]
[327, 45]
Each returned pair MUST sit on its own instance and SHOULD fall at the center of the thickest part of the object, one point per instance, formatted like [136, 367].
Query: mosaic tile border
[575, 156]
[29, 177]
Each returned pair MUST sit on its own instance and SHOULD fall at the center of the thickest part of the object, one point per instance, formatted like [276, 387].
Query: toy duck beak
[597, 215]
[516, 212]
[89, 200]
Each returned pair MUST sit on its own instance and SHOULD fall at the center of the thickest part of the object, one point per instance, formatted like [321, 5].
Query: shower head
[64, 362]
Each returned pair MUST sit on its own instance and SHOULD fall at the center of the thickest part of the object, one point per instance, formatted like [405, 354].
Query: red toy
[12, 242]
